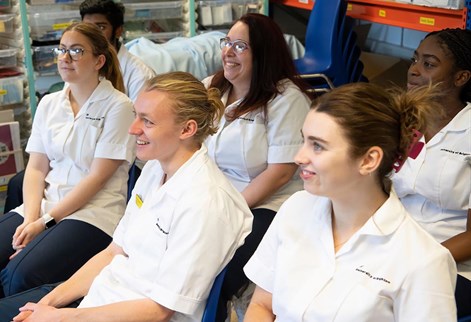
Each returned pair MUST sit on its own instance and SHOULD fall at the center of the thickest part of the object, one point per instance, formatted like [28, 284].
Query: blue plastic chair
[465, 319]
[323, 36]
[209, 314]
[332, 55]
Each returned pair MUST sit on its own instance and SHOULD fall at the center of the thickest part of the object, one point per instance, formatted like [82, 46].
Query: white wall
[389, 40]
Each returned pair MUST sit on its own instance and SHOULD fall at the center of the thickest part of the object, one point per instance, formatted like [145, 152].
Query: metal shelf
[397, 14]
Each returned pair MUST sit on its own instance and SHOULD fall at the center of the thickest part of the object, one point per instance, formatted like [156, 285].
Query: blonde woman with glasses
[75, 181]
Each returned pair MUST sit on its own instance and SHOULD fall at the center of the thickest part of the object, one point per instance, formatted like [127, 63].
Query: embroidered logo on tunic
[160, 228]
[99, 118]
[245, 119]
[454, 152]
[382, 279]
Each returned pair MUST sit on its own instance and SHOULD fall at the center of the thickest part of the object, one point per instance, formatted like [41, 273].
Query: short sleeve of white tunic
[256, 140]
[435, 188]
[387, 271]
[71, 143]
[135, 72]
[183, 235]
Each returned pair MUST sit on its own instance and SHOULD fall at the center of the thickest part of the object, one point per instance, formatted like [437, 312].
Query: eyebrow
[313, 138]
[316, 138]
[426, 55]
[72, 46]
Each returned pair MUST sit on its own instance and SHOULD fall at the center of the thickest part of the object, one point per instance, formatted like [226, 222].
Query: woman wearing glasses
[75, 181]
[259, 134]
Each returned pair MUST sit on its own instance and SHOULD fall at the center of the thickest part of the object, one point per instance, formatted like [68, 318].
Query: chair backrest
[209, 314]
[134, 173]
[323, 28]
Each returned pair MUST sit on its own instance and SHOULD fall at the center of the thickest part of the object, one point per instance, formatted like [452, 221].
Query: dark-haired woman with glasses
[75, 181]
[259, 134]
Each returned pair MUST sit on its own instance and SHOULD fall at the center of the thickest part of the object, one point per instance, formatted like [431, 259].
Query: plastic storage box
[48, 26]
[157, 37]
[11, 90]
[42, 2]
[7, 23]
[5, 4]
[153, 10]
[220, 12]
[8, 57]
[44, 60]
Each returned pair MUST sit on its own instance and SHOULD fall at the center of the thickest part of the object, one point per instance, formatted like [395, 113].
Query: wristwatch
[48, 220]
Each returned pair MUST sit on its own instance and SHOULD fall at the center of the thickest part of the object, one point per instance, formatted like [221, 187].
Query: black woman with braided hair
[436, 186]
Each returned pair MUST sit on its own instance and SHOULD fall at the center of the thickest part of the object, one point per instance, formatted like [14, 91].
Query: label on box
[11, 155]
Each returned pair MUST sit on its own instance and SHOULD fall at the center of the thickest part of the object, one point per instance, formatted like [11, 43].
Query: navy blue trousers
[235, 280]
[14, 192]
[9, 306]
[53, 256]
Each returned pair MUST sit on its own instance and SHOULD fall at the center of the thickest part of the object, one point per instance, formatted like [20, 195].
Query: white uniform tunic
[99, 130]
[182, 236]
[435, 188]
[244, 147]
[135, 72]
[389, 270]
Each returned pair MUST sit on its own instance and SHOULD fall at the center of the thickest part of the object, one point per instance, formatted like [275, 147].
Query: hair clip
[412, 152]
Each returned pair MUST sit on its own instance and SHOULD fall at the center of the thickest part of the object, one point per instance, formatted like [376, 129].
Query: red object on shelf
[397, 14]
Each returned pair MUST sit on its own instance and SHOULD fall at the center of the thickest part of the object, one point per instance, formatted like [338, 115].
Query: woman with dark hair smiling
[258, 136]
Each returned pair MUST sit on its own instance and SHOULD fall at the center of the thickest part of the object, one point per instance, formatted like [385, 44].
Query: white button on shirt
[435, 188]
[99, 130]
[182, 236]
[389, 270]
[244, 147]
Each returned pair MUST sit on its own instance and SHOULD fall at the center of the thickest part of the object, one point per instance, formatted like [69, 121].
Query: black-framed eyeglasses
[239, 46]
[74, 53]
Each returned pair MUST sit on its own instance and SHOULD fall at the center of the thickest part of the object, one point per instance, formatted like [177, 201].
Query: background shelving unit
[183, 21]
[397, 14]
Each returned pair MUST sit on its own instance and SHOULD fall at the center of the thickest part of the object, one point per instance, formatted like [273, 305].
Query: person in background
[75, 180]
[258, 136]
[436, 186]
[108, 15]
[181, 227]
[345, 249]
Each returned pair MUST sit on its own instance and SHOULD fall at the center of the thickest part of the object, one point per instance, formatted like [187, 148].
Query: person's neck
[117, 45]
[80, 93]
[351, 212]
[171, 166]
[236, 93]
[452, 105]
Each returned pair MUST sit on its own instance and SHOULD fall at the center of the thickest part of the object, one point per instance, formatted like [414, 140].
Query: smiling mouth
[140, 142]
[231, 64]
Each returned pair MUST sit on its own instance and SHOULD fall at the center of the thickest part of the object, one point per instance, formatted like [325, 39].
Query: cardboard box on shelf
[384, 70]
[11, 154]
